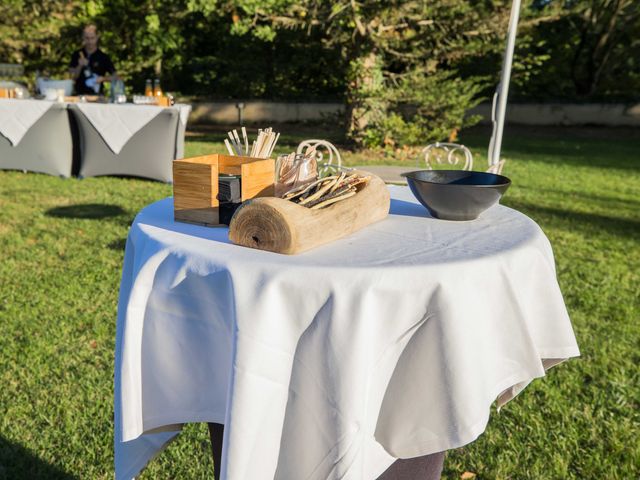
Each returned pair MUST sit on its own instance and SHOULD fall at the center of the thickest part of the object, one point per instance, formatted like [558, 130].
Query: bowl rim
[504, 180]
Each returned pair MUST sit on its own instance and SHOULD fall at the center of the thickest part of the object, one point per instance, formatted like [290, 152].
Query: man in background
[90, 67]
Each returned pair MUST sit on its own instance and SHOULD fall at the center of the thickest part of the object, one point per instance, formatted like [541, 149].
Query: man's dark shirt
[99, 64]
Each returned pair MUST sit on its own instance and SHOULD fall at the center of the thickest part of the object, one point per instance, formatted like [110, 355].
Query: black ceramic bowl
[456, 194]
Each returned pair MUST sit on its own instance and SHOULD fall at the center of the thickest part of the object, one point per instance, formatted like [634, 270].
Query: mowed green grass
[61, 247]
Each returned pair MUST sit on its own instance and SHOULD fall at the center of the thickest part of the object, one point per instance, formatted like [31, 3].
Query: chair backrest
[453, 156]
[314, 147]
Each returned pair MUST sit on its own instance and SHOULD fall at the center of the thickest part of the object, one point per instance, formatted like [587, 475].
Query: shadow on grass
[92, 211]
[588, 223]
[18, 462]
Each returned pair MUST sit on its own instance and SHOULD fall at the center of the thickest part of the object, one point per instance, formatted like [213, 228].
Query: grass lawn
[62, 242]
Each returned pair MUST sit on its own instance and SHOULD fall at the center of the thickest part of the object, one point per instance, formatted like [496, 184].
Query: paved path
[388, 173]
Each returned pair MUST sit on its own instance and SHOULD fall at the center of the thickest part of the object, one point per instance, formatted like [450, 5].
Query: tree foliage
[408, 70]
[581, 49]
[394, 50]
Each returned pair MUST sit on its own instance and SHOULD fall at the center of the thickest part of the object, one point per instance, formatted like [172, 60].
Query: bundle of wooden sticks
[262, 147]
[328, 190]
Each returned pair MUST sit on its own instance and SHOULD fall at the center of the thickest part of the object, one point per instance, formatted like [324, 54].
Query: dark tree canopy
[408, 70]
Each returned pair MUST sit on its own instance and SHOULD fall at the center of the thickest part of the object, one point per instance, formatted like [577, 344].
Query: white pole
[499, 108]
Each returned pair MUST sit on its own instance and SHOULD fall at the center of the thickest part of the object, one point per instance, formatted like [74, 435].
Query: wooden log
[281, 226]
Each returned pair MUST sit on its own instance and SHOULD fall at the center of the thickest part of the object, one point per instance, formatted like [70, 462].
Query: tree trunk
[157, 67]
[364, 83]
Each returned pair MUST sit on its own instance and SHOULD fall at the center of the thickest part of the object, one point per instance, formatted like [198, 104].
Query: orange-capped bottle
[148, 88]
[157, 89]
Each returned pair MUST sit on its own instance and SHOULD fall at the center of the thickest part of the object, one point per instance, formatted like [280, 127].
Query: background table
[47, 147]
[390, 343]
[64, 142]
[149, 153]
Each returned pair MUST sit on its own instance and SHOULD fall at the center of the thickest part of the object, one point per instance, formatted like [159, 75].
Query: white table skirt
[118, 123]
[47, 144]
[114, 139]
[390, 343]
[18, 116]
[147, 143]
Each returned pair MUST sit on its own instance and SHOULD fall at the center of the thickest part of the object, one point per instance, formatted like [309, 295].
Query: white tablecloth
[392, 342]
[18, 116]
[184, 110]
[117, 123]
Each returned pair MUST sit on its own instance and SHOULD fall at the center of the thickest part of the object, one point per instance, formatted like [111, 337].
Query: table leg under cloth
[427, 467]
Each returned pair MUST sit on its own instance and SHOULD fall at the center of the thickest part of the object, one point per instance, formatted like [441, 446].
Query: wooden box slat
[260, 176]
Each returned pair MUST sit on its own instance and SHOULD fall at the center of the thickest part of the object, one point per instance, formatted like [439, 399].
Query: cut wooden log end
[281, 226]
[262, 225]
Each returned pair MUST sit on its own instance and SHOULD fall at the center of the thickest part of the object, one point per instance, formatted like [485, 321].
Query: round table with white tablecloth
[390, 343]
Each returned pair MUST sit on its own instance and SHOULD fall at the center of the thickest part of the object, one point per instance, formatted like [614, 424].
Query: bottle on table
[157, 89]
[148, 88]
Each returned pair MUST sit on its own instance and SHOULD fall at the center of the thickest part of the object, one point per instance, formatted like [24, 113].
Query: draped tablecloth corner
[116, 123]
[18, 116]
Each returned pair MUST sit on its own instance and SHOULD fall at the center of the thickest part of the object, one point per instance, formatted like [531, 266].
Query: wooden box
[195, 184]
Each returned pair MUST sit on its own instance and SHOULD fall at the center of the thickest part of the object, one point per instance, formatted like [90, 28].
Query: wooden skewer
[233, 142]
[237, 138]
[246, 141]
[259, 144]
[229, 149]
[261, 147]
[267, 146]
[273, 145]
[256, 144]
[239, 141]
[235, 145]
